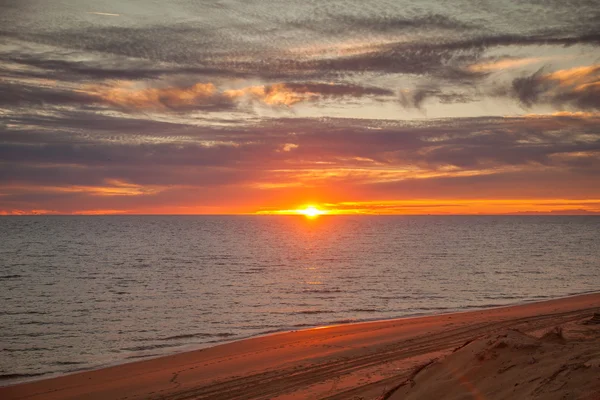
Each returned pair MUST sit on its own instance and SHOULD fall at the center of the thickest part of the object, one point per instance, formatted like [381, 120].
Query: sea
[84, 292]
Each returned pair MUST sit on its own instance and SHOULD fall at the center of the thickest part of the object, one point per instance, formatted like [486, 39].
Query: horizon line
[525, 213]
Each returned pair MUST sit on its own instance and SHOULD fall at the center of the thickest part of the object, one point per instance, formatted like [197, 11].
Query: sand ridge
[564, 363]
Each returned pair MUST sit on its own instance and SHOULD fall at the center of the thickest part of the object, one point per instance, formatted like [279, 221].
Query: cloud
[128, 96]
[206, 96]
[148, 51]
[133, 95]
[59, 167]
[341, 24]
[415, 98]
[289, 146]
[576, 87]
[467, 144]
[294, 92]
[503, 63]
[104, 14]
[17, 94]
[187, 101]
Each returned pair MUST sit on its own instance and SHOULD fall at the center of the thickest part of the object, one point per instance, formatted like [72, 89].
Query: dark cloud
[22, 94]
[128, 69]
[195, 50]
[76, 124]
[465, 144]
[446, 57]
[578, 88]
[528, 89]
[335, 90]
[341, 24]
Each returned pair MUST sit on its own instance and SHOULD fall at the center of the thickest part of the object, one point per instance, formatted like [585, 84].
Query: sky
[242, 107]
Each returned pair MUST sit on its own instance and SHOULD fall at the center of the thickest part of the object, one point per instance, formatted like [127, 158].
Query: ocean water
[83, 292]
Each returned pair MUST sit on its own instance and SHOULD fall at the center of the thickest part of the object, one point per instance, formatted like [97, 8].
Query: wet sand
[372, 360]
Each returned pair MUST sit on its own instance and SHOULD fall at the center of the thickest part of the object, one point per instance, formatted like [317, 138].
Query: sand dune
[369, 361]
[562, 364]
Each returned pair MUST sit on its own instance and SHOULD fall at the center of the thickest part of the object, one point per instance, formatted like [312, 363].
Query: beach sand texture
[502, 353]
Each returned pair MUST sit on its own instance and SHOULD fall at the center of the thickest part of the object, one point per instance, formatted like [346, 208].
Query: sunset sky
[226, 107]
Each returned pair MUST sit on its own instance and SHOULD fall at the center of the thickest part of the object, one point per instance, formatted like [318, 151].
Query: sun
[311, 212]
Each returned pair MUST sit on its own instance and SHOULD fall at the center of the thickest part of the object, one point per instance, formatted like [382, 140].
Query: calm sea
[83, 292]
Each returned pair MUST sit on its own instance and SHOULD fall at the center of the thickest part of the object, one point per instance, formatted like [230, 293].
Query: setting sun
[311, 212]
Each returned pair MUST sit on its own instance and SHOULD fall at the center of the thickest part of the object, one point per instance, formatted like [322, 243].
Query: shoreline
[340, 339]
[187, 348]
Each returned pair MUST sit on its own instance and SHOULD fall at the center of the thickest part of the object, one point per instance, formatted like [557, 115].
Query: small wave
[118, 293]
[52, 333]
[7, 277]
[148, 347]
[489, 305]
[47, 323]
[501, 297]
[343, 321]
[187, 336]
[5, 377]
[58, 363]
[259, 327]
[274, 331]
[322, 291]
[142, 356]
[198, 335]
[311, 312]
[22, 313]
[580, 292]
[411, 297]
[27, 349]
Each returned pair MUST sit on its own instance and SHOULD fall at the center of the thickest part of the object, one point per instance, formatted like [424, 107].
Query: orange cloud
[279, 94]
[101, 212]
[129, 95]
[568, 114]
[27, 212]
[575, 76]
[503, 64]
[113, 187]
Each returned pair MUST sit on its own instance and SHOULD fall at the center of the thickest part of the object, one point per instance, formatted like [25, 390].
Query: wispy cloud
[104, 13]
[504, 64]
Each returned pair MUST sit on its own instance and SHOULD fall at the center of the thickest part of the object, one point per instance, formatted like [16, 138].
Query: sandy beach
[538, 350]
